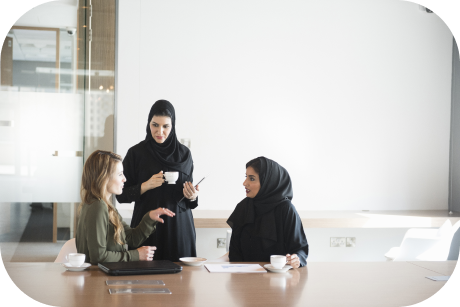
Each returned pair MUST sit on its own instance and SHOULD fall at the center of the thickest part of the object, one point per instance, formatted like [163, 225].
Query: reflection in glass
[48, 120]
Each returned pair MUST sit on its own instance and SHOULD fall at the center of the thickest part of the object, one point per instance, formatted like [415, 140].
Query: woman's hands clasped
[146, 253]
[154, 182]
[293, 260]
[189, 191]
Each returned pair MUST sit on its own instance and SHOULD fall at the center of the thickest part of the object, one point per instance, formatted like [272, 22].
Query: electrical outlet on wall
[221, 242]
[351, 242]
[338, 242]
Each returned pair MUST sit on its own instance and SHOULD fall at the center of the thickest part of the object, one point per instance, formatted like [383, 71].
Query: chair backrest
[411, 248]
[229, 236]
[440, 251]
[223, 258]
[69, 247]
[455, 242]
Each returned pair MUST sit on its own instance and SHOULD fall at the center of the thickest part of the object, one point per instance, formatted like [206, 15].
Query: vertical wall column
[454, 172]
[6, 63]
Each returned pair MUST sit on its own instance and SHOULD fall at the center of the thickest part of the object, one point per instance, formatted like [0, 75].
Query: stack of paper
[235, 268]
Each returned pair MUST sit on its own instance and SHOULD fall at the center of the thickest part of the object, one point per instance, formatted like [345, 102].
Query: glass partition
[51, 119]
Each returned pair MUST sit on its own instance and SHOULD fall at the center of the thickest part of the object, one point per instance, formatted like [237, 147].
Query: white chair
[223, 258]
[229, 236]
[440, 251]
[424, 244]
[67, 248]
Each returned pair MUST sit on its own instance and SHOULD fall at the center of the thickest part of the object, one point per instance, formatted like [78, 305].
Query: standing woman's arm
[190, 204]
[132, 188]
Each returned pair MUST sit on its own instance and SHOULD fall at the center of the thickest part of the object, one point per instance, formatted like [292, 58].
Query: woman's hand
[154, 182]
[155, 214]
[293, 260]
[189, 191]
[146, 253]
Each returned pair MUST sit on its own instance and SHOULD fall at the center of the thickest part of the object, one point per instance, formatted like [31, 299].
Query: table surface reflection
[318, 284]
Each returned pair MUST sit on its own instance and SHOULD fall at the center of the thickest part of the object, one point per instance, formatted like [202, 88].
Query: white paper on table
[438, 278]
[235, 268]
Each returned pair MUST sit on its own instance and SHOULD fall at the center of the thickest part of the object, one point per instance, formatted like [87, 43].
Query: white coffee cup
[278, 261]
[171, 177]
[76, 259]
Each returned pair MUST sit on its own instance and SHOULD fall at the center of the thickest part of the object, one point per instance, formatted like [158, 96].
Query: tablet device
[140, 267]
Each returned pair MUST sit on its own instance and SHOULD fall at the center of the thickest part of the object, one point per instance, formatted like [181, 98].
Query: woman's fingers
[189, 190]
[188, 187]
[146, 253]
[155, 214]
[293, 260]
[167, 212]
[157, 179]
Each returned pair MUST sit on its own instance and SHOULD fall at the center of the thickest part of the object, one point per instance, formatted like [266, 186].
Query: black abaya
[176, 237]
[268, 224]
[291, 239]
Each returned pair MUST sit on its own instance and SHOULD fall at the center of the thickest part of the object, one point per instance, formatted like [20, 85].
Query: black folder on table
[140, 267]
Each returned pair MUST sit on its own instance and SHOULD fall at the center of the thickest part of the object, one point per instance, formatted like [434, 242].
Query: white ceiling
[38, 45]
[55, 14]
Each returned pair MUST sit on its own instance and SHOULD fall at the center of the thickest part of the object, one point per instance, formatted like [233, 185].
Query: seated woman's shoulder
[287, 205]
[97, 205]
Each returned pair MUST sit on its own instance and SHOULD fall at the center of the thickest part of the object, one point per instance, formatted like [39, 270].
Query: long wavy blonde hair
[98, 169]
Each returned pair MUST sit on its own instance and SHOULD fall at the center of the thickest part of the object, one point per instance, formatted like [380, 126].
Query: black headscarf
[275, 189]
[171, 152]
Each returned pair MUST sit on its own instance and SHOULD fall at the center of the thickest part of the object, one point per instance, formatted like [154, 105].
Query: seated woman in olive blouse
[266, 223]
[101, 233]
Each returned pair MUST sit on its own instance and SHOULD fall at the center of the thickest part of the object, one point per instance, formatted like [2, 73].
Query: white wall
[351, 97]
[371, 243]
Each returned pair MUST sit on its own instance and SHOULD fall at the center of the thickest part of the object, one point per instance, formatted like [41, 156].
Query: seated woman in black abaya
[266, 223]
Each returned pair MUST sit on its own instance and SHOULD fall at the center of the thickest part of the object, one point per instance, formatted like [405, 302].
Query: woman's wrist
[144, 188]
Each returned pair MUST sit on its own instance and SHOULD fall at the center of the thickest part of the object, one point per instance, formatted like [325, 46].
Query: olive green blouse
[95, 235]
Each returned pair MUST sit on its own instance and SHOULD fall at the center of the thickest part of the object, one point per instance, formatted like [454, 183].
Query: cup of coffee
[278, 261]
[171, 177]
[76, 259]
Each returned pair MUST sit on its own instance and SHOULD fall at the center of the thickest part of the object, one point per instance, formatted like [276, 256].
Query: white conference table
[318, 284]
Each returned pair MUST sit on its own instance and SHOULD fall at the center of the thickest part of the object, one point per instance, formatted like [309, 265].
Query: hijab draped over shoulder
[171, 152]
[275, 189]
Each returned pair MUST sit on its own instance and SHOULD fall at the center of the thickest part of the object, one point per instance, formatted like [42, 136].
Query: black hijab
[171, 152]
[275, 189]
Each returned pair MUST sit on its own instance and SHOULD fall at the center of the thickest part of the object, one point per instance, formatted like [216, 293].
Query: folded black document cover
[140, 267]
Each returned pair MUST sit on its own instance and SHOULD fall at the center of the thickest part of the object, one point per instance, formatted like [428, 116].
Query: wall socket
[337, 242]
[351, 242]
[221, 242]
[343, 242]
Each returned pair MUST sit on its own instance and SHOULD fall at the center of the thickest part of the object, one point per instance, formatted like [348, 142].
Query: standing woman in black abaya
[144, 166]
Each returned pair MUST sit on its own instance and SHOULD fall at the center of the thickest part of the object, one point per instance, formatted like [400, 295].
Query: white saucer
[286, 268]
[72, 268]
[193, 261]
